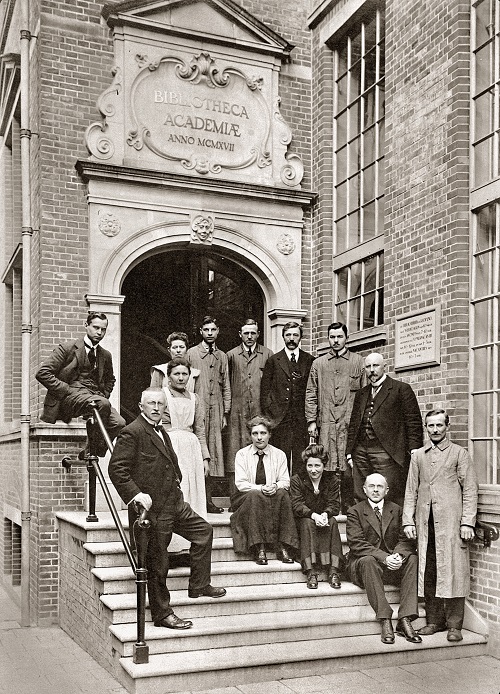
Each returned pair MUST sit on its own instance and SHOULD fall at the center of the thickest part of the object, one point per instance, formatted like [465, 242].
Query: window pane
[354, 162]
[342, 284]
[371, 274]
[354, 120]
[484, 69]
[482, 450]
[483, 115]
[354, 315]
[369, 153]
[341, 207]
[342, 313]
[370, 68]
[380, 316]
[483, 368]
[355, 289]
[354, 193]
[368, 184]
[370, 34]
[341, 130]
[485, 234]
[381, 177]
[483, 414]
[369, 230]
[341, 164]
[483, 321]
[342, 93]
[341, 231]
[342, 59]
[355, 81]
[369, 311]
[483, 162]
[369, 109]
[355, 48]
[380, 217]
[354, 230]
[484, 22]
[483, 284]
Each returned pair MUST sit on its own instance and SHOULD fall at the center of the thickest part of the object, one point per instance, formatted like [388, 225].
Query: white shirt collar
[380, 504]
[378, 383]
[293, 351]
[255, 450]
[88, 344]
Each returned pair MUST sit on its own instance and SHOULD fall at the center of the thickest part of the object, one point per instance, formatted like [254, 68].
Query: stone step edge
[282, 591]
[219, 568]
[265, 621]
[235, 657]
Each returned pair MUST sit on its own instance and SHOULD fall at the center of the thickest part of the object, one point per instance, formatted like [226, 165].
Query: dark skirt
[319, 546]
[261, 519]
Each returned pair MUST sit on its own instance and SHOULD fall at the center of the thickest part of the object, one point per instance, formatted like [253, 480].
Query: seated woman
[315, 502]
[177, 344]
[184, 421]
[261, 503]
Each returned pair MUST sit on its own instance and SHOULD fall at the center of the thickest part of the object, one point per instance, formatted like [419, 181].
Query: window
[359, 298]
[485, 91]
[359, 105]
[485, 362]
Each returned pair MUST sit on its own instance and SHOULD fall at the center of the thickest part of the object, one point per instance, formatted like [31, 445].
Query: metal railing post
[141, 539]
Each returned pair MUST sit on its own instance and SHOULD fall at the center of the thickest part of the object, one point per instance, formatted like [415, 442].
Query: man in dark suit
[380, 553]
[283, 394]
[385, 426]
[77, 373]
[146, 474]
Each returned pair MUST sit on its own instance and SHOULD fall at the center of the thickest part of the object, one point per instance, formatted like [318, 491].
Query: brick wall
[485, 589]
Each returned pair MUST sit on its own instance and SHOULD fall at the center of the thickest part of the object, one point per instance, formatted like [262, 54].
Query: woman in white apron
[184, 421]
[177, 344]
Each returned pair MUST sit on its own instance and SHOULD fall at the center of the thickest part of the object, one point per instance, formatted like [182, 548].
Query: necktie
[293, 359]
[210, 349]
[158, 428]
[92, 357]
[378, 514]
[260, 474]
[249, 352]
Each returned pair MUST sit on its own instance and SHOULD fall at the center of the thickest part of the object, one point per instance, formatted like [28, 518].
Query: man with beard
[282, 395]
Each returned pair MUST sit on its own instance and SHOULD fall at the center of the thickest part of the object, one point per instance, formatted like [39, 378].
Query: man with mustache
[283, 394]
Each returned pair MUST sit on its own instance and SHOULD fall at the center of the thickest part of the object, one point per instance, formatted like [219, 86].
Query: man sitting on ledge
[380, 553]
[77, 373]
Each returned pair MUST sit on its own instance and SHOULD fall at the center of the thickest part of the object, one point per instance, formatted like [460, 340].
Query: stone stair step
[250, 629]
[243, 600]
[225, 667]
[120, 579]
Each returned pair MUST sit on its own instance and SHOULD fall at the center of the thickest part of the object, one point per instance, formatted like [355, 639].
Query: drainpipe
[26, 329]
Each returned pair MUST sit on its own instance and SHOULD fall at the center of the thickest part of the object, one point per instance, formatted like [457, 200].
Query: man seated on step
[380, 553]
[146, 474]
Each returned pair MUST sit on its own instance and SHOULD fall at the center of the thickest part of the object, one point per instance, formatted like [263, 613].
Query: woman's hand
[206, 466]
[320, 520]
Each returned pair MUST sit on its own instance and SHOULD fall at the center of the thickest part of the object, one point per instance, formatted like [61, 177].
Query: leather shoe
[312, 580]
[261, 557]
[212, 508]
[454, 635]
[334, 580]
[430, 629]
[285, 557]
[208, 592]
[404, 628]
[387, 633]
[171, 621]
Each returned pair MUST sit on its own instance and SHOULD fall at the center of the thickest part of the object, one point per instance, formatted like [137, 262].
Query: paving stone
[306, 684]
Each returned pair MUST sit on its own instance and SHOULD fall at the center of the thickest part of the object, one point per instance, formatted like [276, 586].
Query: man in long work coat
[283, 394]
[146, 474]
[246, 364]
[440, 511]
[385, 426]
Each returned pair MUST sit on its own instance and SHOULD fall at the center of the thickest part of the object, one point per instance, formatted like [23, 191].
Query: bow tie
[158, 428]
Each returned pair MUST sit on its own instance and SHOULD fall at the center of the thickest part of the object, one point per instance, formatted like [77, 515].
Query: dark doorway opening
[174, 291]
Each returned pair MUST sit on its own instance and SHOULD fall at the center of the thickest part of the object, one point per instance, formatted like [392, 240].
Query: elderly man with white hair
[385, 427]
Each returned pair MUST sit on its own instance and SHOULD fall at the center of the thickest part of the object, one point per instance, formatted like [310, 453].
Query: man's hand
[348, 459]
[144, 500]
[466, 533]
[312, 429]
[206, 466]
[394, 562]
[269, 489]
[410, 531]
[224, 421]
[321, 520]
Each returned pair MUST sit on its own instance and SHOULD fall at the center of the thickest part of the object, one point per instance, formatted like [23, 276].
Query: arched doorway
[171, 291]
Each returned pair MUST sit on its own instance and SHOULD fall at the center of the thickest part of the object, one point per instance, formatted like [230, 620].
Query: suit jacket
[141, 463]
[396, 420]
[365, 538]
[276, 383]
[305, 502]
[62, 368]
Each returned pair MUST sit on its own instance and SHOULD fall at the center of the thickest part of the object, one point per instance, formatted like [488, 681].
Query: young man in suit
[77, 373]
[384, 428]
[283, 393]
[146, 474]
[380, 553]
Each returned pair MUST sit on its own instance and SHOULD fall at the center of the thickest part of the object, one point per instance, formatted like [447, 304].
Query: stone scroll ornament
[201, 71]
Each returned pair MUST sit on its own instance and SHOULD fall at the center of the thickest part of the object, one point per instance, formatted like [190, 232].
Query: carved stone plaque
[417, 340]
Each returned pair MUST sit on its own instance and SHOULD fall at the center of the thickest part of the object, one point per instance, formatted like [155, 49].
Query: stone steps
[225, 667]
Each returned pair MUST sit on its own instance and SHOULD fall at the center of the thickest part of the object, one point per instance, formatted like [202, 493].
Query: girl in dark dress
[315, 503]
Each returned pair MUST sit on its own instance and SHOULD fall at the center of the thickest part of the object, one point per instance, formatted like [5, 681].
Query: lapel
[80, 353]
[387, 516]
[373, 520]
[283, 361]
[382, 394]
[100, 362]
[364, 394]
[155, 439]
